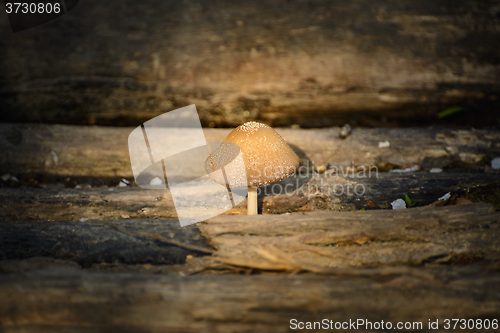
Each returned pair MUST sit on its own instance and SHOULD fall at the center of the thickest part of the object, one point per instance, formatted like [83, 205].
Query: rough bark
[71, 300]
[314, 241]
[320, 241]
[160, 242]
[119, 290]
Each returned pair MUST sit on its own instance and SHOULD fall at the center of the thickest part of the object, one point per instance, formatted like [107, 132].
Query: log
[310, 192]
[314, 64]
[313, 241]
[73, 300]
[321, 240]
[90, 152]
[58, 158]
[43, 294]
[149, 241]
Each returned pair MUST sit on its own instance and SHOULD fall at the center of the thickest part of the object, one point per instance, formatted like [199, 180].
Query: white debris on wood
[445, 197]
[408, 169]
[495, 163]
[385, 144]
[123, 183]
[83, 219]
[398, 204]
[156, 181]
[436, 170]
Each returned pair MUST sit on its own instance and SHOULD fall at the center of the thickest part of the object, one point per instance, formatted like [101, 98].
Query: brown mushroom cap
[267, 157]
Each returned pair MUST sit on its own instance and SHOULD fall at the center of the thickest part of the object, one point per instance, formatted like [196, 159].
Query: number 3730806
[32, 8]
[455, 324]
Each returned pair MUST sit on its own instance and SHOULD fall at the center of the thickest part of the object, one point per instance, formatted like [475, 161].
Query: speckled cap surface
[267, 157]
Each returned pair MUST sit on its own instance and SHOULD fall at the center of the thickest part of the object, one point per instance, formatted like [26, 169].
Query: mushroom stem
[252, 201]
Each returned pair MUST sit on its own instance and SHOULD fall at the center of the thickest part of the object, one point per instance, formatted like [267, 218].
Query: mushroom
[267, 159]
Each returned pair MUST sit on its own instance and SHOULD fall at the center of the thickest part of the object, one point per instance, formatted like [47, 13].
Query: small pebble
[398, 204]
[123, 183]
[436, 170]
[156, 181]
[445, 197]
[345, 131]
[321, 169]
[385, 144]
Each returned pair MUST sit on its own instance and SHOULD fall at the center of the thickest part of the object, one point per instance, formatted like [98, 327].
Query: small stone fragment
[385, 144]
[345, 131]
[445, 197]
[123, 183]
[321, 169]
[398, 204]
[156, 181]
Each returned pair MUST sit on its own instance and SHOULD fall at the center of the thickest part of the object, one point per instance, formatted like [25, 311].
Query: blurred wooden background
[312, 63]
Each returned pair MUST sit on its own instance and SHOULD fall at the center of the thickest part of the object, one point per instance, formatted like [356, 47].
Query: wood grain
[76, 300]
[319, 241]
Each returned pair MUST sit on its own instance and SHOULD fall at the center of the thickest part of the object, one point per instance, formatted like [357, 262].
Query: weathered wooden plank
[370, 190]
[314, 64]
[87, 151]
[88, 242]
[315, 241]
[322, 240]
[296, 194]
[90, 203]
[73, 300]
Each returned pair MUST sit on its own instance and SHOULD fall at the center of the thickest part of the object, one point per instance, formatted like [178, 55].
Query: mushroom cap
[267, 157]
